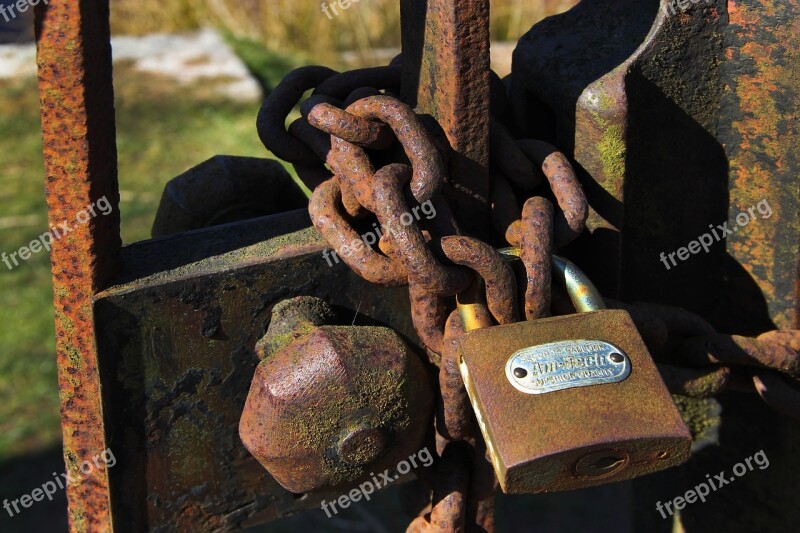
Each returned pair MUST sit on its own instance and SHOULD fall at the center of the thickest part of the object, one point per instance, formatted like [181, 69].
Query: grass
[301, 25]
[162, 130]
[28, 393]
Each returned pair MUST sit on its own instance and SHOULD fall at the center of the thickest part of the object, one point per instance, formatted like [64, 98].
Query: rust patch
[408, 242]
[455, 413]
[428, 313]
[78, 132]
[325, 213]
[446, 75]
[501, 297]
[762, 144]
[536, 254]
[571, 220]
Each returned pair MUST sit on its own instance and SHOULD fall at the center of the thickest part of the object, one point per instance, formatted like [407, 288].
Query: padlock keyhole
[601, 463]
[605, 464]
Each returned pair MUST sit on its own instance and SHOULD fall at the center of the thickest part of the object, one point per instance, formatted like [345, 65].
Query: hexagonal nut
[226, 189]
[335, 405]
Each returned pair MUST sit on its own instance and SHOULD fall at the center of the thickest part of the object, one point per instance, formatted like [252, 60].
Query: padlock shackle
[584, 295]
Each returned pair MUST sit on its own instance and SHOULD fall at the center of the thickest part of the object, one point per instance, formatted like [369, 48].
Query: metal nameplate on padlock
[566, 364]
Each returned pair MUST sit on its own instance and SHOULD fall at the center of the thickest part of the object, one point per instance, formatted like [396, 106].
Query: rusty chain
[363, 153]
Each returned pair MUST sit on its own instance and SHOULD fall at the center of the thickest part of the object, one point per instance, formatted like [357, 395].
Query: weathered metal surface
[448, 512]
[501, 288]
[570, 221]
[177, 333]
[272, 117]
[408, 242]
[738, 350]
[760, 132]
[446, 75]
[574, 67]
[326, 213]
[342, 85]
[225, 189]
[536, 252]
[450, 491]
[537, 441]
[681, 118]
[335, 404]
[80, 157]
[426, 162]
[428, 312]
[454, 417]
[335, 121]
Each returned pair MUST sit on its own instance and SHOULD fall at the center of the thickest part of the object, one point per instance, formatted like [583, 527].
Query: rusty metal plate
[565, 365]
[176, 335]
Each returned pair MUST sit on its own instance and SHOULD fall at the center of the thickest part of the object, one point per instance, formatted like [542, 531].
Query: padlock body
[603, 423]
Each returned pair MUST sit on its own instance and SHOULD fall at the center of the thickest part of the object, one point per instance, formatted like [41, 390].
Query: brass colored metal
[574, 437]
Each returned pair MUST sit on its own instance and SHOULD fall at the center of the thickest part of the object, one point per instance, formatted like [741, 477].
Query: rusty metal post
[446, 67]
[446, 75]
[78, 130]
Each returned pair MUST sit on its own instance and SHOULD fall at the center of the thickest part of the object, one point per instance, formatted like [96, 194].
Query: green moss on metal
[376, 395]
[701, 416]
[612, 150]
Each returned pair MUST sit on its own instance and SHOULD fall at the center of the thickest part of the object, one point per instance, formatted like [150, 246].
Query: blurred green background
[162, 130]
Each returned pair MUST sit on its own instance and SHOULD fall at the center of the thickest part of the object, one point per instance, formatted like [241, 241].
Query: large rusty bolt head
[334, 404]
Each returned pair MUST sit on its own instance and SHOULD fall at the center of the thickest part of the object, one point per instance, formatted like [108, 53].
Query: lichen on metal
[77, 109]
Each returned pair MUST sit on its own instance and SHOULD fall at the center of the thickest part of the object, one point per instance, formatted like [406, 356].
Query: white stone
[202, 56]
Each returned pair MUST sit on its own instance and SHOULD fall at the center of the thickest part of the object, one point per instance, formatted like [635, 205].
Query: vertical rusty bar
[759, 131]
[446, 75]
[78, 131]
[446, 67]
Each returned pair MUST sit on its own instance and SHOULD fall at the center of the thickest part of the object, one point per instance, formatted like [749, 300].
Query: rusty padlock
[329, 405]
[571, 401]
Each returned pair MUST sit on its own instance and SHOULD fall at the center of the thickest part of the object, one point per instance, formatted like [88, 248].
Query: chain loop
[408, 243]
[271, 123]
[571, 220]
[501, 287]
[536, 252]
[375, 268]
[427, 164]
